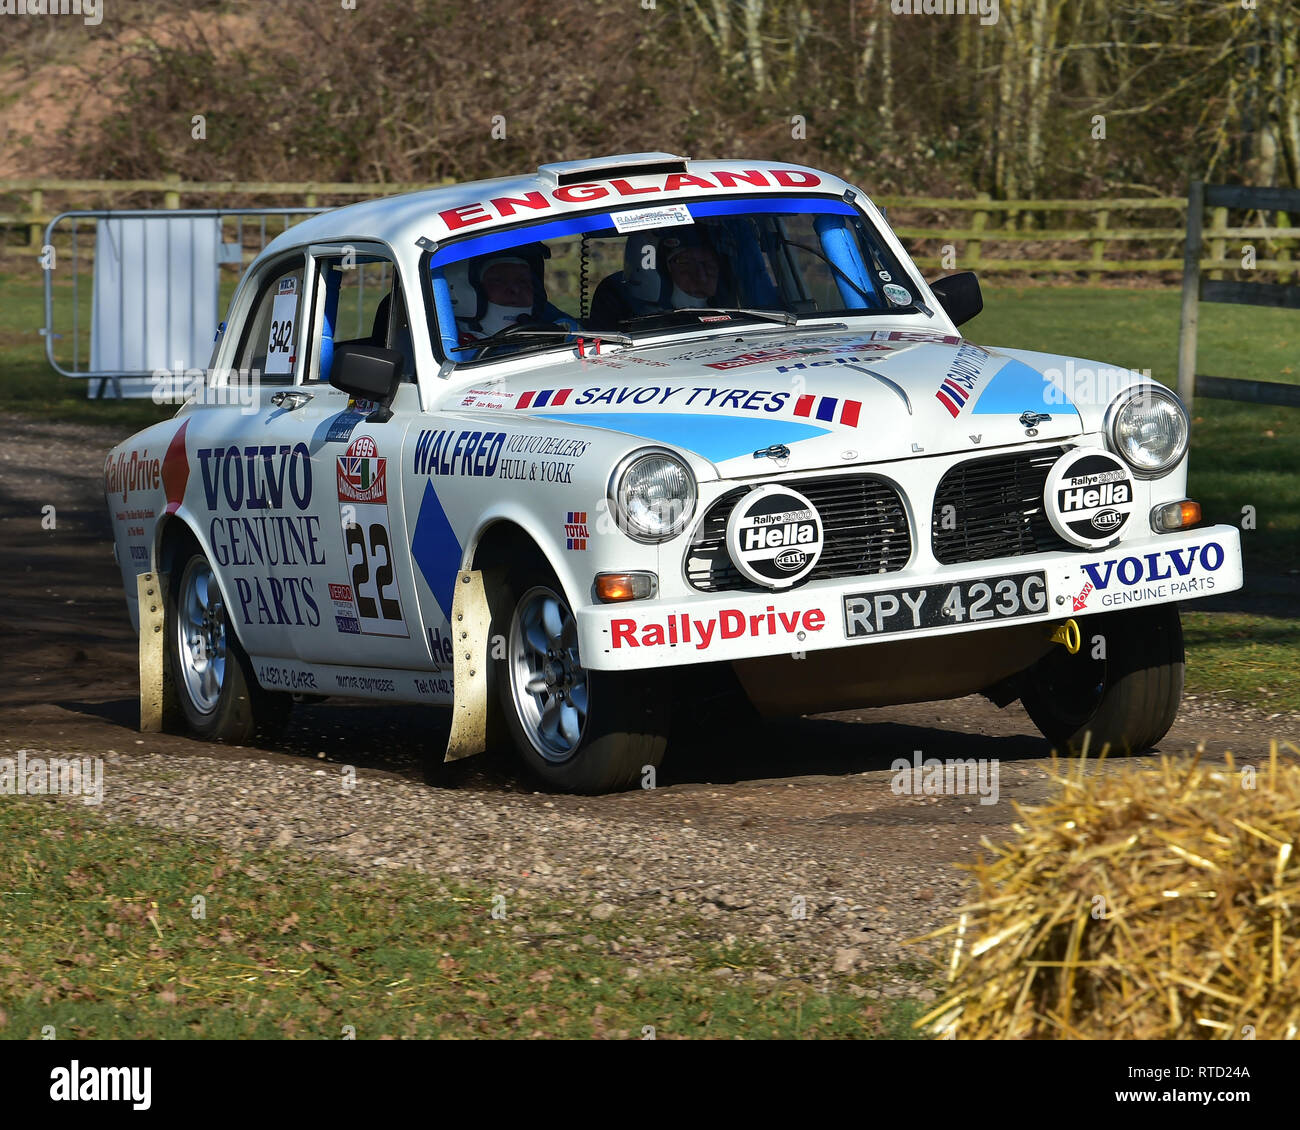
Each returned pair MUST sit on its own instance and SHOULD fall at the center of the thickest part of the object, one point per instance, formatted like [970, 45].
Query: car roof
[626, 181]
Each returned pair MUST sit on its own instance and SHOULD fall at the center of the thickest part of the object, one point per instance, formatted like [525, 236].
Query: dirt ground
[743, 818]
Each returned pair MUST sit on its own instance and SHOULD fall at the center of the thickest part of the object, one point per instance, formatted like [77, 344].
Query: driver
[505, 288]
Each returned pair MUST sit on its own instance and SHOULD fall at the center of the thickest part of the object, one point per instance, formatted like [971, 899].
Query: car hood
[832, 399]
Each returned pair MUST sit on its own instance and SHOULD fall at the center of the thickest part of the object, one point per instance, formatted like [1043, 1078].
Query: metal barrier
[212, 265]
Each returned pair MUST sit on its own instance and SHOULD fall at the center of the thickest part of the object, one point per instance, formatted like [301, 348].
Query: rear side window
[269, 342]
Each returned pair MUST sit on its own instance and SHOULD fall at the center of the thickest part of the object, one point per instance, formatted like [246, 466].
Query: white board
[154, 302]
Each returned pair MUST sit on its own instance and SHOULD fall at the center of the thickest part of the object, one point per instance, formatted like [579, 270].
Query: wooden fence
[1240, 198]
[1095, 238]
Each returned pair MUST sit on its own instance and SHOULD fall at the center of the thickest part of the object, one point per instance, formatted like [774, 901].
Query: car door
[256, 484]
[368, 612]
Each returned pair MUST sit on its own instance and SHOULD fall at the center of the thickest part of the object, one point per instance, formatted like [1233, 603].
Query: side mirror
[959, 295]
[368, 372]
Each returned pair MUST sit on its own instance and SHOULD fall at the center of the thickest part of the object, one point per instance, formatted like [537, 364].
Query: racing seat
[401, 332]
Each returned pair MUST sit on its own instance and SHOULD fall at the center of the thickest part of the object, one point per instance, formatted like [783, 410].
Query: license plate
[944, 605]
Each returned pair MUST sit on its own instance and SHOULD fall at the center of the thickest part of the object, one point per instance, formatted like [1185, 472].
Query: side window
[360, 301]
[269, 341]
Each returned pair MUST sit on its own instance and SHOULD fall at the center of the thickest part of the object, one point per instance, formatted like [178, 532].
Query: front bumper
[743, 625]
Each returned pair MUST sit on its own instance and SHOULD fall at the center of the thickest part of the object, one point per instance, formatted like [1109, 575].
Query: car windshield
[662, 269]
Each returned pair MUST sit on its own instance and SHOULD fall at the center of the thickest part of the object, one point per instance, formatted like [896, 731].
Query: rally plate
[945, 605]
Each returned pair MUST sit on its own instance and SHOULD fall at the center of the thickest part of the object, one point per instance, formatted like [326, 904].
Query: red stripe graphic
[803, 405]
[958, 393]
[525, 399]
[849, 413]
[953, 410]
[561, 396]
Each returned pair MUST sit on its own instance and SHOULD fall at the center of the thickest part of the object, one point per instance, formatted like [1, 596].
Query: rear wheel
[1121, 689]
[215, 687]
[577, 730]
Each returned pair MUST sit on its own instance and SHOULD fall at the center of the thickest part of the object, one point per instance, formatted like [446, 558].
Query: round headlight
[652, 494]
[1149, 429]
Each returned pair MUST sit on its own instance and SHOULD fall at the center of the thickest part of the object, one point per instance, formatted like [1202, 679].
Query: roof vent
[604, 168]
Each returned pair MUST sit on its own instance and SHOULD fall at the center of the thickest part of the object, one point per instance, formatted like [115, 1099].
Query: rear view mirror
[959, 295]
[368, 372]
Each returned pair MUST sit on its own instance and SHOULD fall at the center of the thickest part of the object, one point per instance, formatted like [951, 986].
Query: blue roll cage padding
[845, 256]
[841, 247]
[446, 315]
[333, 285]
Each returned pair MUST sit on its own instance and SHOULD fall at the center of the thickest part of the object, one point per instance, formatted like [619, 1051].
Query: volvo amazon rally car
[525, 447]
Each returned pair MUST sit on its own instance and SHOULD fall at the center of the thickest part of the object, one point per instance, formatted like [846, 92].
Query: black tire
[1127, 700]
[241, 712]
[625, 731]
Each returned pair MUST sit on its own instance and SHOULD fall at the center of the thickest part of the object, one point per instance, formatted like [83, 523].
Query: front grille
[997, 508]
[864, 529]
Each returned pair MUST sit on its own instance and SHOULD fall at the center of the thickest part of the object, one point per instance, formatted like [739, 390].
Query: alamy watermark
[90, 11]
[987, 10]
[952, 777]
[1084, 384]
[219, 388]
[53, 776]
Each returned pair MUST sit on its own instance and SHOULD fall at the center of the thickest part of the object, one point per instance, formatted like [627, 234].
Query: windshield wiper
[782, 316]
[778, 316]
[509, 333]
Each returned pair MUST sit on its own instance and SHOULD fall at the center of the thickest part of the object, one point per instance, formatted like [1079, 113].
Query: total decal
[681, 629]
[1168, 574]
[376, 598]
[259, 497]
[774, 536]
[1089, 497]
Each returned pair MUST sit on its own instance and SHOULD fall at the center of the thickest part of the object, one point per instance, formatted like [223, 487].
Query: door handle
[291, 400]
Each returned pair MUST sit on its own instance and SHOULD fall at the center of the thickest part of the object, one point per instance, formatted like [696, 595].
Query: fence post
[1099, 246]
[172, 197]
[1191, 292]
[1283, 253]
[1218, 247]
[978, 223]
[34, 232]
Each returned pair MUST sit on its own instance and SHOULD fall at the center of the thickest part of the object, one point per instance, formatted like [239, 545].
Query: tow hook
[1067, 635]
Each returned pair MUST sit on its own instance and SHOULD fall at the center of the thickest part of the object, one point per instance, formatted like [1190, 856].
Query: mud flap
[157, 695]
[471, 622]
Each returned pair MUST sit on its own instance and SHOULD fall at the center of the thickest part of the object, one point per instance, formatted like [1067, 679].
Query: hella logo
[790, 560]
[1107, 519]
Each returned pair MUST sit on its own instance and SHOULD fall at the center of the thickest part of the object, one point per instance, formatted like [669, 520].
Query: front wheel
[1122, 689]
[577, 730]
[218, 694]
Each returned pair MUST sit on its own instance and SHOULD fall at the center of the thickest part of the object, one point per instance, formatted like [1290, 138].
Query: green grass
[97, 938]
[1242, 454]
[1244, 658]
[27, 383]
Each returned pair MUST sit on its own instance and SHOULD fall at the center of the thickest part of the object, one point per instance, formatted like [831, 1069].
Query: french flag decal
[829, 408]
[952, 396]
[548, 396]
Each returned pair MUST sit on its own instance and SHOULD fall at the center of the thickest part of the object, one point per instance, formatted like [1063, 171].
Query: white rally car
[558, 451]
